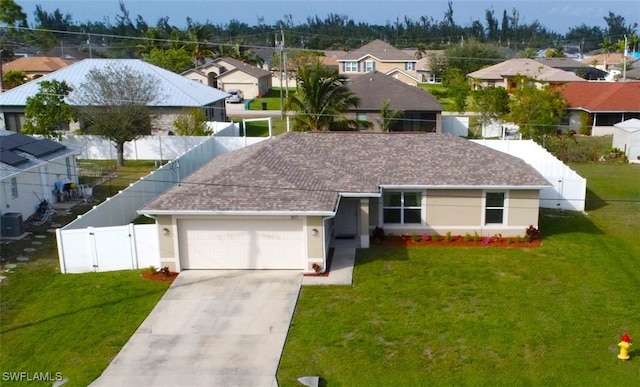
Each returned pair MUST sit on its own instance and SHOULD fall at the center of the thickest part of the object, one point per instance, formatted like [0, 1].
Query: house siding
[462, 211]
[315, 243]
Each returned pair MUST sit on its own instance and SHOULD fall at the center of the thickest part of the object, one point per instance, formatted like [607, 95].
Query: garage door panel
[241, 244]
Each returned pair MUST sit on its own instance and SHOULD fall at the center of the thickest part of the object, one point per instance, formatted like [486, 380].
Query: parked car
[236, 96]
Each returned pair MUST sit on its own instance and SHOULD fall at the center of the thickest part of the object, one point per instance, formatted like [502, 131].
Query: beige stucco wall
[454, 207]
[168, 248]
[524, 208]
[462, 211]
[315, 243]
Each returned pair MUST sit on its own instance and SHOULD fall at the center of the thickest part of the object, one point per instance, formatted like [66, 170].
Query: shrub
[468, 237]
[378, 233]
[416, 238]
[509, 240]
[426, 237]
[532, 233]
[152, 269]
[436, 237]
[447, 236]
[476, 237]
[165, 271]
[518, 239]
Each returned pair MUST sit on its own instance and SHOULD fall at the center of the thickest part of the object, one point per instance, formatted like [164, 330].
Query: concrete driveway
[211, 328]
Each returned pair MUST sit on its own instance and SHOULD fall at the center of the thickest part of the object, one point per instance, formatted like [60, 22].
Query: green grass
[441, 93]
[73, 323]
[261, 128]
[550, 315]
[272, 99]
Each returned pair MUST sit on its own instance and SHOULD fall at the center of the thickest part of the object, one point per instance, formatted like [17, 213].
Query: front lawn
[272, 99]
[550, 315]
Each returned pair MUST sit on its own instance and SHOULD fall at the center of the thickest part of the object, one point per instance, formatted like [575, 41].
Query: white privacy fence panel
[103, 240]
[569, 189]
[101, 249]
[458, 126]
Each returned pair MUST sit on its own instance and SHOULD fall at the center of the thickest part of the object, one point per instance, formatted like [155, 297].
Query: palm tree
[606, 47]
[421, 49]
[14, 78]
[633, 42]
[388, 116]
[198, 41]
[321, 100]
[528, 53]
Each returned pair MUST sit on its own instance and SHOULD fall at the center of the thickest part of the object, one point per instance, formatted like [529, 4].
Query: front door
[346, 221]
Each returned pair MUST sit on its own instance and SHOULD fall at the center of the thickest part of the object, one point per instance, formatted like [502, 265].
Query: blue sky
[557, 16]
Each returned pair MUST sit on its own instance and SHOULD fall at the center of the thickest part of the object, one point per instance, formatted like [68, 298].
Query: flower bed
[455, 241]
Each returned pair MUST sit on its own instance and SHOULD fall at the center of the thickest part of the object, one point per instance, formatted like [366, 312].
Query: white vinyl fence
[103, 239]
[569, 189]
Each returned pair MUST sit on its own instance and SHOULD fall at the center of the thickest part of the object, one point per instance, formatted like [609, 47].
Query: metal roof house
[177, 93]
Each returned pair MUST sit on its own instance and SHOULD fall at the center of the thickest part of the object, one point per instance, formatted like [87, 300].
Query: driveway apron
[211, 328]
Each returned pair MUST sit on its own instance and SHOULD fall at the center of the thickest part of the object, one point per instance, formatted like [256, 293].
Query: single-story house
[228, 73]
[29, 167]
[277, 204]
[177, 93]
[605, 103]
[626, 137]
[35, 67]
[576, 67]
[421, 111]
[505, 74]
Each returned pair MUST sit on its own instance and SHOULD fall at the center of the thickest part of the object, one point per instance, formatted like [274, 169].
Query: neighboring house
[176, 91]
[607, 62]
[573, 66]
[277, 204]
[228, 73]
[633, 74]
[383, 57]
[423, 66]
[36, 67]
[68, 53]
[606, 104]
[626, 137]
[505, 74]
[421, 111]
[29, 167]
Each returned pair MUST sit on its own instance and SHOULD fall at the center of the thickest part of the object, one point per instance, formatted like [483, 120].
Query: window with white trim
[350, 67]
[494, 208]
[409, 65]
[401, 207]
[14, 187]
[369, 66]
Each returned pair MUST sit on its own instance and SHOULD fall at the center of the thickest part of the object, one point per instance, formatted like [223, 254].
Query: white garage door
[241, 244]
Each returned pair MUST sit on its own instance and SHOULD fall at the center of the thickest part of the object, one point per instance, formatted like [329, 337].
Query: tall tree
[321, 100]
[606, 47]
[492, 103]
[537, 112]
[113, 102]
[46, 112]
[617, 27]
[172, 59]
[458, 85]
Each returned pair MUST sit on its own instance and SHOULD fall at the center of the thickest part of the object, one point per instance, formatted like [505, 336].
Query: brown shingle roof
[380, 50]
[525, 67]
[245, 68]
[603, 96]
[307, 171]
[374, 88]
[32, 64]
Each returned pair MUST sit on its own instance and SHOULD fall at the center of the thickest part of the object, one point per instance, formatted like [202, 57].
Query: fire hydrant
[624, 344]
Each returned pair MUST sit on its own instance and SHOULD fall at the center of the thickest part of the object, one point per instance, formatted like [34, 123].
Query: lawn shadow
[557, 222]
[382, 252]
[593, 201]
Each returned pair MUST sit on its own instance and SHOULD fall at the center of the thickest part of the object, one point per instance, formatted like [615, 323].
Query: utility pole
[624, 61]
[280, 46]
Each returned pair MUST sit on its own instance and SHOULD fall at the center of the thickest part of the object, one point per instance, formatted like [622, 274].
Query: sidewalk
[341, 270]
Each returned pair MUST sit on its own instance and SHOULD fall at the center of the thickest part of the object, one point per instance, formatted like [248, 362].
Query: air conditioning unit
[12, 225]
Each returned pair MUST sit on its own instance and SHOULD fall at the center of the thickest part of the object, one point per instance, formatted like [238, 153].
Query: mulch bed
[326, 273]
[159, 276]
[457, 241]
